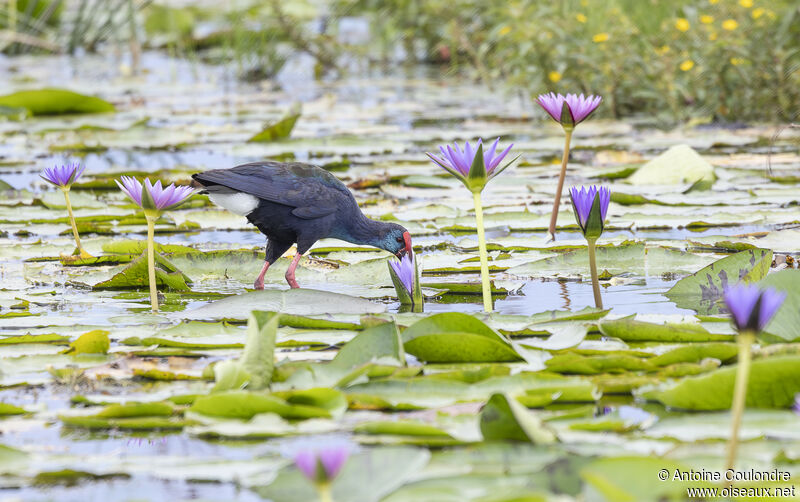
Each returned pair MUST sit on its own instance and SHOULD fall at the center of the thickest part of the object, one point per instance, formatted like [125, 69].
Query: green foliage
[281, 129]
[93, 342]
[702, 291]
[735, 64]
[773, 383]
[503, 418]
[55, 102]
[134, 275]
[454, 337]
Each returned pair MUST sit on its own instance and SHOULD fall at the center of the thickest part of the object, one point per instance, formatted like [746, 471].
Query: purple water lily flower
[751, 307]
[457, 160]
[404, 268]
[63, 175]
[796, 406]
[162, 198]
[583, 199]
[579, 106]
[322, 464]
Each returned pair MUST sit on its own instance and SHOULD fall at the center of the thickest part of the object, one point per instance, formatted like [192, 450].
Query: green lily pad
[678, 165]
[773, 383]
[55, 102]
[45, 338]
[504, 418]
[93, 342]
[630, 330]
[633, 479]
[702, 291]
[454, 338]
[135, 275]
[293, 301]
[244, 404]
[784, 326]
[281, 129]
[7, 409]
[625, 259]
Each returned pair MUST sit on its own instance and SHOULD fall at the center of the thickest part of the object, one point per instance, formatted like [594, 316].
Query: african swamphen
[297, 203]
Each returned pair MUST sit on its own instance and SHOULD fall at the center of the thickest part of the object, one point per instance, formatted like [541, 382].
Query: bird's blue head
[396, 240]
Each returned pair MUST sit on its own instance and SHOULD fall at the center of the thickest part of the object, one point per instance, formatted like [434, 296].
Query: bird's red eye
[400, 239]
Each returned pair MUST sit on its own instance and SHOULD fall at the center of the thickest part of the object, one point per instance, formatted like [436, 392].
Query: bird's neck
[362, 230]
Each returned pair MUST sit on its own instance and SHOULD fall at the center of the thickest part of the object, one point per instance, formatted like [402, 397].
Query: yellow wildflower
[712, 2]
[687, 65]
[554, 76]
[580, 17]
[738, 61]
[757, 12]
[682, 24]
[662, 50]
[730, 24]
[600, 38]
[712, 36]
[746, 3]
[505, 30]
[706, 19]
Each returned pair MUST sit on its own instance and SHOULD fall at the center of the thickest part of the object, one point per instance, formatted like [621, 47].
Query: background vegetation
[668, 61]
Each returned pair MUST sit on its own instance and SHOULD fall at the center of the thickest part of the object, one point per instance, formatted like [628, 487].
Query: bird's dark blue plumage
[300, 203]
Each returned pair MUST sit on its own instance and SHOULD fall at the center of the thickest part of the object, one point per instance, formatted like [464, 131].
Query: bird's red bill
[407, 238]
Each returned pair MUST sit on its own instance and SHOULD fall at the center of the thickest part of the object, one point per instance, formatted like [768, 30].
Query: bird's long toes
[258, 285]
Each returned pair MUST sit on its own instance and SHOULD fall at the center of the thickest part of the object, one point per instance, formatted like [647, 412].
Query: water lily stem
[324, 491]
[561, 176]
[487, 291]
[83, 253]
[598, 300]
[151, 262]
[746, 339]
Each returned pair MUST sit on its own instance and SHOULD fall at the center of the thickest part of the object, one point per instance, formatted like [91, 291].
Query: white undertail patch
[239, 203]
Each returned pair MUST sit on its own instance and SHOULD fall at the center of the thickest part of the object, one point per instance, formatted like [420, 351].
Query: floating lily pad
[702, 291]
[455, 337]
[773, 383]
[55, 102]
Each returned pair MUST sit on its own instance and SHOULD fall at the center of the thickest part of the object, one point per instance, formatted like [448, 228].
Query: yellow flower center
[580, 17]
[682, 24]
[687, 65]
[600, 38]
[757, 12]
[746, 3]
[706, 19]
[554, 76]
[505, 30]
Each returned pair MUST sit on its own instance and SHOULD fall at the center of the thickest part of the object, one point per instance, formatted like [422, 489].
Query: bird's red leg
[259, 284]
[290, 273]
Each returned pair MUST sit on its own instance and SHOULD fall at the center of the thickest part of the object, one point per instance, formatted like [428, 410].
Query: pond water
[372, 130]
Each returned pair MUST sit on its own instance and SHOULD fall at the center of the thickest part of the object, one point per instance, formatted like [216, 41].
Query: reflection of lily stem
[746, 339]
[324, 491]
[598, 300]
[487, 292]
[557, 201]
[83, 253]
[151, 261]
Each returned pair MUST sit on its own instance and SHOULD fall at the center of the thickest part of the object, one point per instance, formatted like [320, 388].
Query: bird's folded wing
[312, 197]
